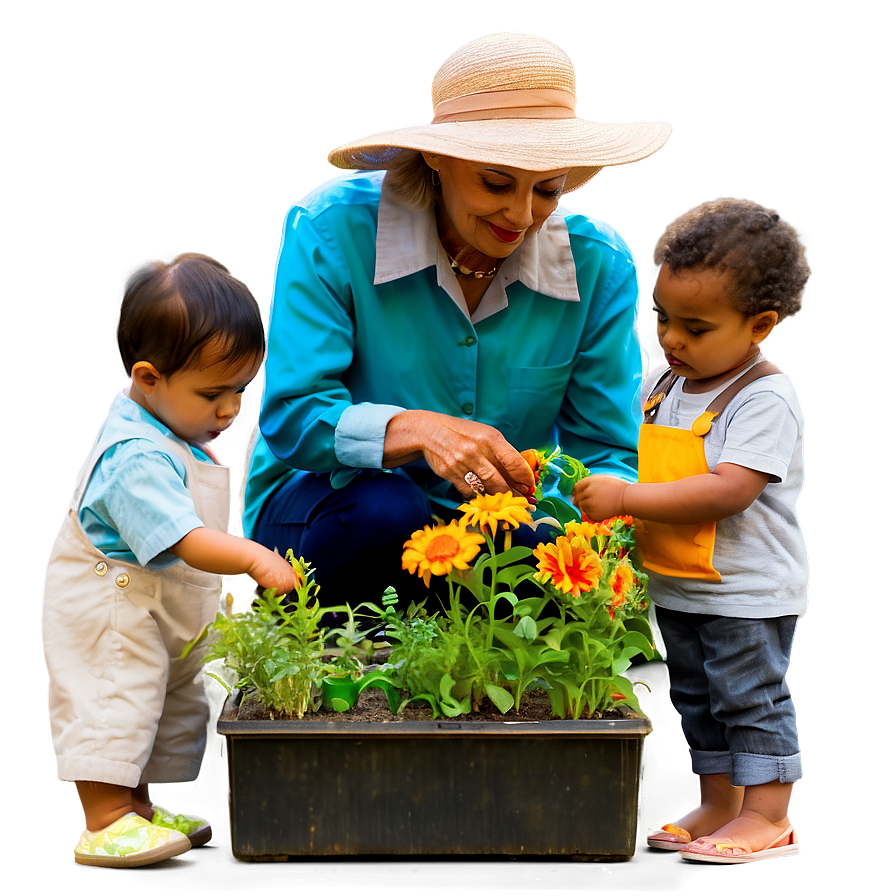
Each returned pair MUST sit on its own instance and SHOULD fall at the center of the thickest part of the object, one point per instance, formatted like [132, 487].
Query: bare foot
[749, 831]
[699, 822]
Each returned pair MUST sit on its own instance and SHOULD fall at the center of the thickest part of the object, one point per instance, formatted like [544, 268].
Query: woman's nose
[519, 211]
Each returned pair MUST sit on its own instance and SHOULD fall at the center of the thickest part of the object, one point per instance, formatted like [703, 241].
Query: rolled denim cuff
[749, 769]
[706, 762]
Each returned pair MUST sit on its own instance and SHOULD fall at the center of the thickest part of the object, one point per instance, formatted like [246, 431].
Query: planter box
[312, 788]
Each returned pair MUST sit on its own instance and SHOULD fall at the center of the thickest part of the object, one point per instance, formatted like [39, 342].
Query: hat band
[539, 103]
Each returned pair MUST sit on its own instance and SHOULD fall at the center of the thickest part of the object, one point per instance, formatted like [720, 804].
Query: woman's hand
[454, 447]
[600, 497]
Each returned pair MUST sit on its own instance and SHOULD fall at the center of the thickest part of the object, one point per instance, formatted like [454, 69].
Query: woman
[430, 322]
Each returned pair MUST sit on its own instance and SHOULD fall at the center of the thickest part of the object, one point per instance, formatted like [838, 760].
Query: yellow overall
[666, 454]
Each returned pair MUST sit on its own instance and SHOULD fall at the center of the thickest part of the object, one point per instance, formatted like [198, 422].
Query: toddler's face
[198, 403]
[703, 335]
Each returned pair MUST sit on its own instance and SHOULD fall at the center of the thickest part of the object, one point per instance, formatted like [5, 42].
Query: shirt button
[470, 340]
[101, 569]
[122, 580]
[468, 408]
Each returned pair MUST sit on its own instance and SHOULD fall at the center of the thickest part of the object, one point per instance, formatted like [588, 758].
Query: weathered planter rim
[637, 727]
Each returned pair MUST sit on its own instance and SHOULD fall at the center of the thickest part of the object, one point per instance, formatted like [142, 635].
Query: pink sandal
[727, 852]
[669, 836]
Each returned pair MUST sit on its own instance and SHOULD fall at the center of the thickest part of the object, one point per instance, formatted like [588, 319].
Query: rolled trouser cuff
[748, 769]
[708, 762]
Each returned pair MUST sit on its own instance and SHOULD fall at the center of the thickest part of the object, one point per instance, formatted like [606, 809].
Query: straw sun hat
[509, 99]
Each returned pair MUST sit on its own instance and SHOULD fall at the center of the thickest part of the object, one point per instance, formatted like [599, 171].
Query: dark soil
[372, 707]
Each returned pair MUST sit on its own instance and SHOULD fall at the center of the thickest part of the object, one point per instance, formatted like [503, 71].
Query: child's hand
[600, 497]
[271, 570]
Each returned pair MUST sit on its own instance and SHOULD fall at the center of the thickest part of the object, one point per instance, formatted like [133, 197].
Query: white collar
[407, 242]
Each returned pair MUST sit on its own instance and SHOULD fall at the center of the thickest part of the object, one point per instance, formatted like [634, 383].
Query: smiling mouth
[506, 236]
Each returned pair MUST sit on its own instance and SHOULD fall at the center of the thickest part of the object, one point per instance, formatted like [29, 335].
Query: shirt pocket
[534, 398]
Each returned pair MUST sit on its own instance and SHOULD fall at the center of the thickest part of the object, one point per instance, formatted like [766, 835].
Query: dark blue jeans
[727, 684]
[354, 536]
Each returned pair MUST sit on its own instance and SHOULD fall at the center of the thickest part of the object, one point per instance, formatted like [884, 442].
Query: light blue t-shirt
[137, 503]
[368, 320]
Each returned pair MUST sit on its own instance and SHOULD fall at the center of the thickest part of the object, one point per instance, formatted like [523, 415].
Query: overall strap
[658, 393]
[756, 372]
[702, 425]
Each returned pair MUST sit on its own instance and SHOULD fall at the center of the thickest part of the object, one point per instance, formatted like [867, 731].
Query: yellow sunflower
[569, 564]
[488, 511]
[436, 550]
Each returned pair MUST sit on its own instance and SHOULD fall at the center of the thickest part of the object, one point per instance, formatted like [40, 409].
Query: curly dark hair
[763, 254]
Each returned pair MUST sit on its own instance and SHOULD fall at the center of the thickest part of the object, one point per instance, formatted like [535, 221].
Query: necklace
[462, 271]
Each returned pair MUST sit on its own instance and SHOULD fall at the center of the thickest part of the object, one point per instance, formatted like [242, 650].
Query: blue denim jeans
[354, 536]
[727, 684]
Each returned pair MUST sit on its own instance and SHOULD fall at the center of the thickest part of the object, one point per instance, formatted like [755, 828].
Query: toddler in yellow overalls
[720, 469]
[135, 573]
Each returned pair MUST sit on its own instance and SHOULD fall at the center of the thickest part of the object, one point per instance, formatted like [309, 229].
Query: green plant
[276, 650]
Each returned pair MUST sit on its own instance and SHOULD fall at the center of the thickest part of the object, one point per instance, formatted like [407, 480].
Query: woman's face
[493, 208]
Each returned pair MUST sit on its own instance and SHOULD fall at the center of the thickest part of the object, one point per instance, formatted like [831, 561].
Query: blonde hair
[411, 180]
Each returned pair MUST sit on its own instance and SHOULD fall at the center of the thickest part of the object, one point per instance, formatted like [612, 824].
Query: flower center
[442, 547]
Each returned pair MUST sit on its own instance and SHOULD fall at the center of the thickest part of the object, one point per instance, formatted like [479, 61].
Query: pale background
[136, 130]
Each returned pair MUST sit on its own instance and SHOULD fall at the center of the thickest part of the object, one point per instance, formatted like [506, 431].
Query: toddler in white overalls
[135, 573]
[719, 471]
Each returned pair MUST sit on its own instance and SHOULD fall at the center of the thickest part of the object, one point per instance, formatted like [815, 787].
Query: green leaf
[526, 628]
[502, 699]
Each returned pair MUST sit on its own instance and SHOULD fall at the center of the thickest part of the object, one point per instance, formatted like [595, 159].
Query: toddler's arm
[705, 498]
[214, 551]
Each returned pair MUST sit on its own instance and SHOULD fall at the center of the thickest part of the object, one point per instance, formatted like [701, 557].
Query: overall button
[123, 580]
[468, 408]
[101, 568]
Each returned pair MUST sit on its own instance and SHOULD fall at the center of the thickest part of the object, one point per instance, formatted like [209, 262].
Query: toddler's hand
[599, 497]
[271, 570]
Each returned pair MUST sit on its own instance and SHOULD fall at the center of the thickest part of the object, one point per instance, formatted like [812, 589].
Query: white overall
[124, 708]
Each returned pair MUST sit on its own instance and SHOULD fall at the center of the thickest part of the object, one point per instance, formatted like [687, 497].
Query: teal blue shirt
[368, 320]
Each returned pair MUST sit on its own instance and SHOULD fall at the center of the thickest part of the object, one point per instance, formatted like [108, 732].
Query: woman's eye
[492, 187]
[661, 318]
[548, 194]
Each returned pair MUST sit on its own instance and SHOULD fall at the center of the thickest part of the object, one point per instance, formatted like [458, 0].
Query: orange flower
[535, 459]
[487, 511]
[436, 550]
[621, 582]
[569, 564]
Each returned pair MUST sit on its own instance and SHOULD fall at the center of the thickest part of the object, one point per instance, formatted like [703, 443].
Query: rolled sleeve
[360, 434]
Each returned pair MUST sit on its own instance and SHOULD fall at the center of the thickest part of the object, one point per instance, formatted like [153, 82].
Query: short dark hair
[170, 312]
[762, 254]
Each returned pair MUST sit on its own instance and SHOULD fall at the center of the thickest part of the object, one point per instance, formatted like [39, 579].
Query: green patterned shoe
[197, 829]
[129, 843]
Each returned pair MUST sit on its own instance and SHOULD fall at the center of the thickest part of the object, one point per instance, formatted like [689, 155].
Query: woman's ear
[145, 377]
[763, 323]
[432, 160]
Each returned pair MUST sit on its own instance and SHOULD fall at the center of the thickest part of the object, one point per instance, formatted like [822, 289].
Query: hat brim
[531, 144]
